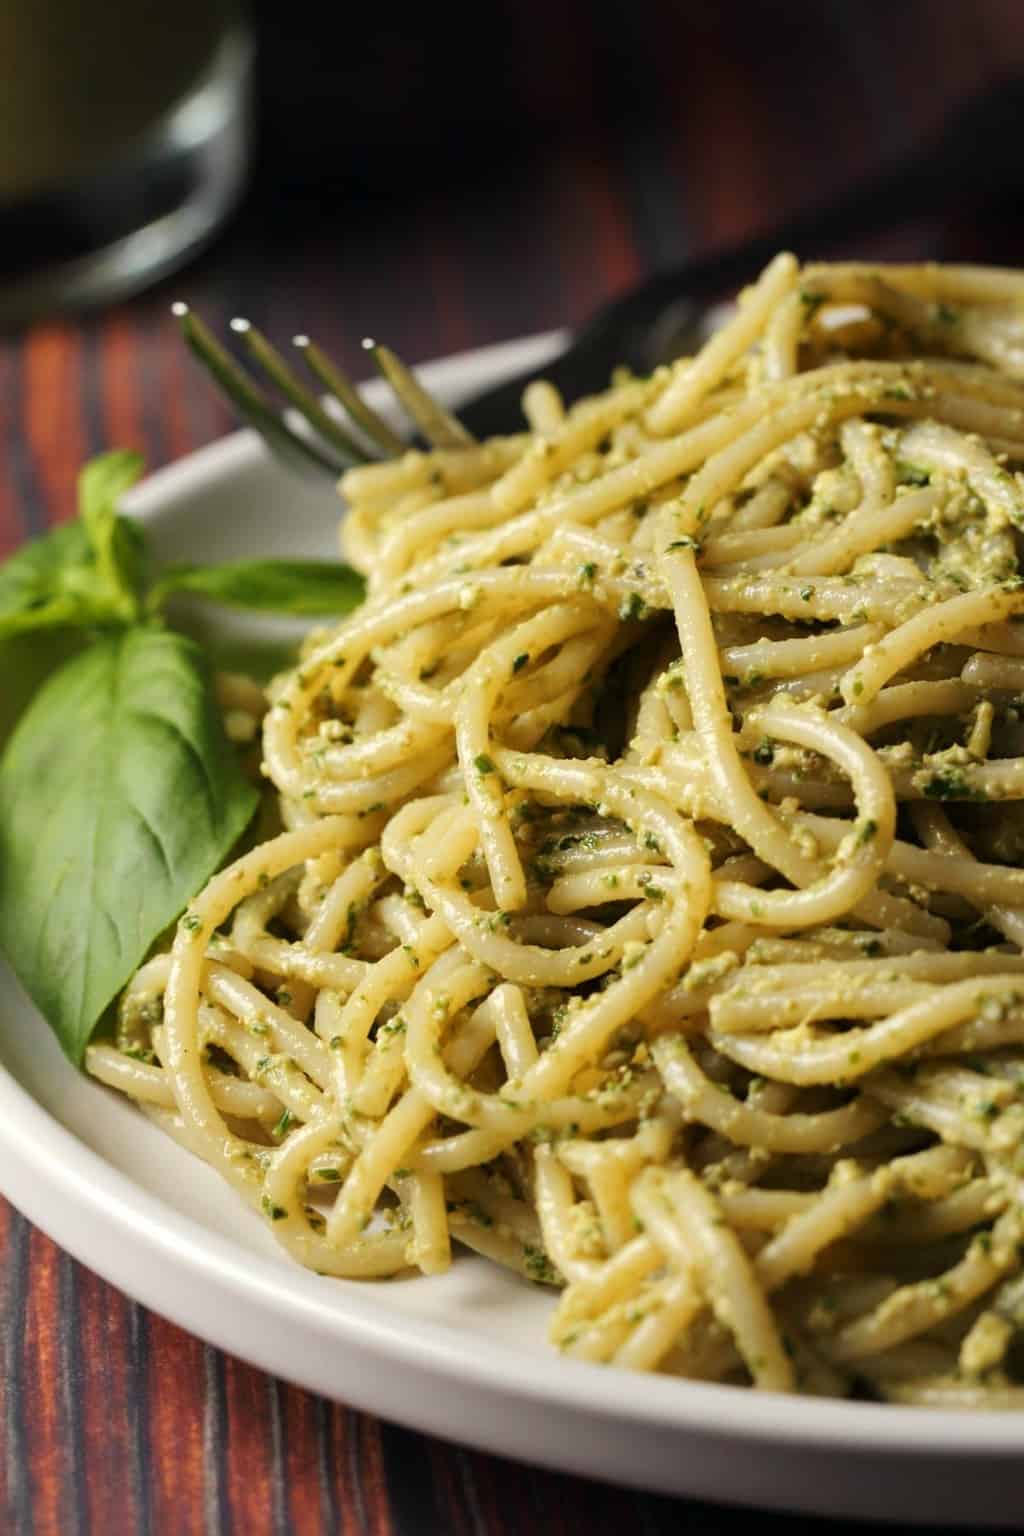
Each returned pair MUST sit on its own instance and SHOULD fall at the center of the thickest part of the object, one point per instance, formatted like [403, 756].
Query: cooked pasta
[644, 906]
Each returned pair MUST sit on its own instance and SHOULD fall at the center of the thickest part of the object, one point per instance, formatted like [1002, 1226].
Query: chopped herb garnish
[633, 609]
[539, 1266]
[912, 474]
[951, 784]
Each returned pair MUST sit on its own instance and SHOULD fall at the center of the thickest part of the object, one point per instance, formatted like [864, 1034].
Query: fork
[973, 158]
[326, 444]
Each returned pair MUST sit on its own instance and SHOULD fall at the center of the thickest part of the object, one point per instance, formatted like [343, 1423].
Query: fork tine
[250, 402]
[336, 383]
[308, 406]
[438, 426]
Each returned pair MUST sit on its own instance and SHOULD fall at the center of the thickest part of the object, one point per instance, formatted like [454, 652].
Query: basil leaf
[101, 484]
[26, 661]
[45, 583]
[119, 797]
[83, 573]
[303, 587]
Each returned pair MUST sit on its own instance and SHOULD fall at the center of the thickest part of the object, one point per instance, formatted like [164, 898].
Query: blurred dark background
[451, 181]
[443, 178]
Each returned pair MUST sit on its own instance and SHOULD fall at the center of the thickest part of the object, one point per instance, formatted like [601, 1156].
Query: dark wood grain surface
[440, 201]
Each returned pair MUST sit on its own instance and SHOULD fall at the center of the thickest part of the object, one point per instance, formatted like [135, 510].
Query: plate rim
[92, 1182]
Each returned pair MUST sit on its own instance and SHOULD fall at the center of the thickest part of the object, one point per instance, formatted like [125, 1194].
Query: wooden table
[618, 138]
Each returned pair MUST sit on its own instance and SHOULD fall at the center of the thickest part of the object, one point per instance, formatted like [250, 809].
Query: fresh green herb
[117, 545]
[85, 573]
[119, 792]
[28, 659]
[393, 1027]
[950, 784]
[520, 661]
[483, 764]
[633, 608]
[867, 831]
[538, 1266]
[119, 797]
[306, 588]
[912, 474]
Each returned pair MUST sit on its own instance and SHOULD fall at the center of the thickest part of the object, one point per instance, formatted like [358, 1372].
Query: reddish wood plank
[111, 1410]
[13, 1297]
[249, 1452]
[308, 1493]
[360, 1457]
[178, 1406]
[51, 418]
[120, 384]
[11, 526]
[45, 1436]
[450, 1482]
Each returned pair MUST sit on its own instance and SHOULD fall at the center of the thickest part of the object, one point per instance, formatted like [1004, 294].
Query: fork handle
[973, 159]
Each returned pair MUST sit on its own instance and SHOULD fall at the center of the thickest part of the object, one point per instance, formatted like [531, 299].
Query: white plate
[464, 1354]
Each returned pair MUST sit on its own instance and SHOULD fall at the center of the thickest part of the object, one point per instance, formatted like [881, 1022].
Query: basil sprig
[119, 795]
[119, 792]
[305, 588]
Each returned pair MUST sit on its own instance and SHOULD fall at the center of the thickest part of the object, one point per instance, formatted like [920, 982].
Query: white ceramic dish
[462, 1355]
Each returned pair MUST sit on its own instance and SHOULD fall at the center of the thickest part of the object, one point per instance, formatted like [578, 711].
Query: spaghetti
[645, 910]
